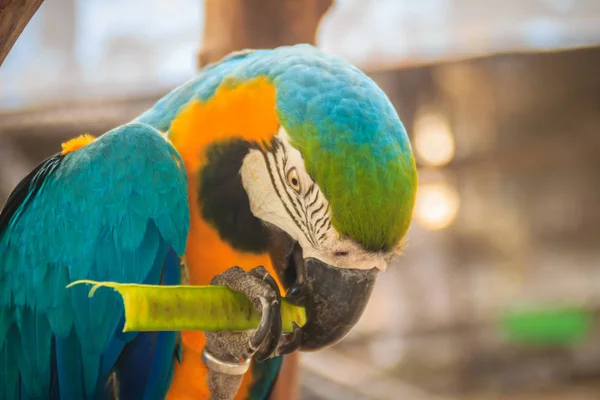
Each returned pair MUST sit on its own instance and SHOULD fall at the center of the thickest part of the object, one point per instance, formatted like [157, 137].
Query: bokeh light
[437, 205]
[434, 142]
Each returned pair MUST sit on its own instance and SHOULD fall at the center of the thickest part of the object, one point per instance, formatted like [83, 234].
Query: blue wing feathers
[9, 376]
[145, 365]
[143, 369]
[69, 366]
[108, 211]
[53, 393]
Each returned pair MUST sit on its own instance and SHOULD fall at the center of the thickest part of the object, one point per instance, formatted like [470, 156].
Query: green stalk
[191, 308]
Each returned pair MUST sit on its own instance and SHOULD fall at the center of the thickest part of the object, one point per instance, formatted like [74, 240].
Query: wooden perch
[14, 17]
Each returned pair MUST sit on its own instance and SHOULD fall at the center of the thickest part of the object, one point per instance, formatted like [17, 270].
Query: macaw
[274, 171]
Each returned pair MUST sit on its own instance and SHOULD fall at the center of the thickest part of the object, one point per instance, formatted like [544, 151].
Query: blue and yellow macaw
[289, 159]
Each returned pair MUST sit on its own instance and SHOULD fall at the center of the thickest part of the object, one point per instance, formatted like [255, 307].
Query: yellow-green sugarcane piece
[191, 308]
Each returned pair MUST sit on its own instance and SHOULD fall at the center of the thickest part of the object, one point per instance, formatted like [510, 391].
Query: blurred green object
[550, 326]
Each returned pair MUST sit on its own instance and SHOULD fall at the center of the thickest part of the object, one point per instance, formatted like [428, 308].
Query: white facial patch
[282, 193]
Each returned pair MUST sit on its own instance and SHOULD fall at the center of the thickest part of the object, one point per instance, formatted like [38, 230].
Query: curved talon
[275, 333]
[264, 327]
[293, 344]
[273, 317]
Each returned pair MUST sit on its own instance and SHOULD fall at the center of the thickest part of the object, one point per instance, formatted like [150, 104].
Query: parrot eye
[292, 179]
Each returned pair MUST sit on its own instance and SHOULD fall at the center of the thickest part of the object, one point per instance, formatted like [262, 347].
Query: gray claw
[291, 343]
[260, 287]
[271, 317]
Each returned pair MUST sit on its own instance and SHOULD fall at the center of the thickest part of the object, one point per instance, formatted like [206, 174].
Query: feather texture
[112, 208]
[109, 210]
[353, 144]
[145, 366]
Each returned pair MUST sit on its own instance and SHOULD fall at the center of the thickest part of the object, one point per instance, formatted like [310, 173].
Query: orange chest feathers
[245, 111]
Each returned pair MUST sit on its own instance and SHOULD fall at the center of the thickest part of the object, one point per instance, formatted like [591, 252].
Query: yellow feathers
[76, 143]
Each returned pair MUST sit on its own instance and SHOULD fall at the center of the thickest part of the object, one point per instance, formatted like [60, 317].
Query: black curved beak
[334, 298]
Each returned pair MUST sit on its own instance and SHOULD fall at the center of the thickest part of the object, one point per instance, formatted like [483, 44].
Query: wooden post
[254, 24]
[14, 16]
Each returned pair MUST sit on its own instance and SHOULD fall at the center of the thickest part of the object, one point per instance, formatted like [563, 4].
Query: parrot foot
[260, 287]
[227, 354]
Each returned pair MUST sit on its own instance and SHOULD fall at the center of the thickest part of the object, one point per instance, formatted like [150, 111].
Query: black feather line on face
[27, 189]
[224, 202]
[309, 209]
[291, 202]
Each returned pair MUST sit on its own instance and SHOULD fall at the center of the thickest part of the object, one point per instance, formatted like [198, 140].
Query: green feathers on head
[353, 144]
[370, 187]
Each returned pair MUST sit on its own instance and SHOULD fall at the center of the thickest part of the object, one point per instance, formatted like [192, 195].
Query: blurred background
[497, 294]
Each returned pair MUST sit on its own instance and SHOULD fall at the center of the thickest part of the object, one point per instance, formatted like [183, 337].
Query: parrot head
[326, 188]
[334, 213]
